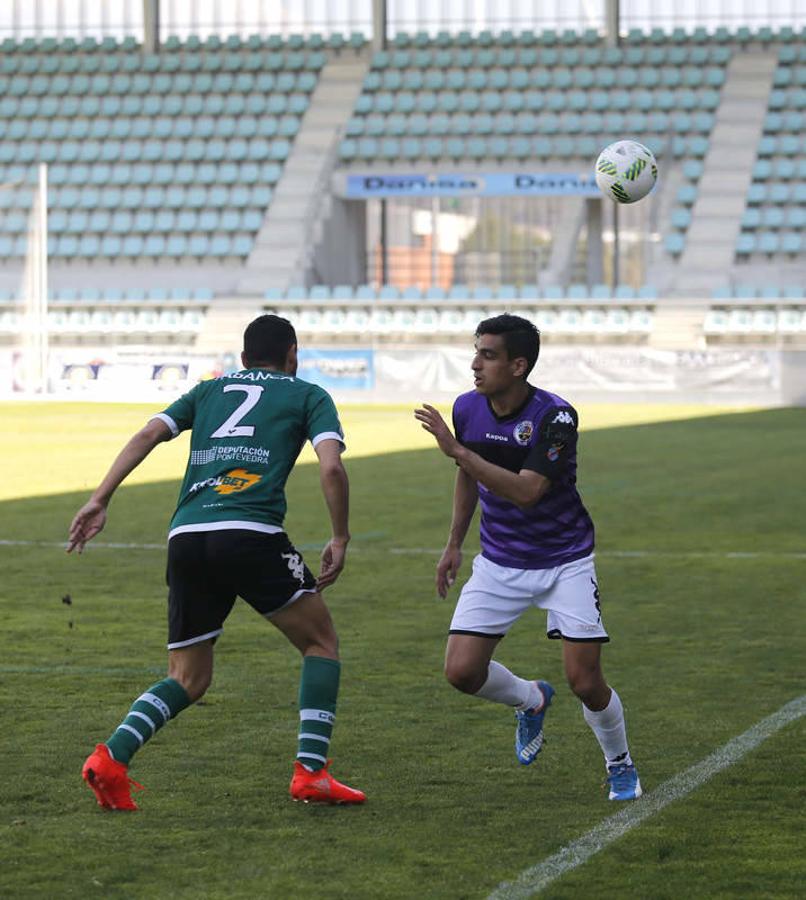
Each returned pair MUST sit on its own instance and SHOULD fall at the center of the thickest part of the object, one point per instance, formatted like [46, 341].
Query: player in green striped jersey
[226, 539]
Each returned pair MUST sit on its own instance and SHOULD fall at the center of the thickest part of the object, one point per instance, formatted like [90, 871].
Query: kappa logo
[230, 483]
[563, 416]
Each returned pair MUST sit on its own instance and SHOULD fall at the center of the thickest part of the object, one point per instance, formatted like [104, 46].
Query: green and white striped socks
[318, 690]
[149, 712]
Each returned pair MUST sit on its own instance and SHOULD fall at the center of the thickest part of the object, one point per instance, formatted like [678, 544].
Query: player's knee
[321, 640]
[326, 646]
[194, 683]
[587, 684]
[463, 677]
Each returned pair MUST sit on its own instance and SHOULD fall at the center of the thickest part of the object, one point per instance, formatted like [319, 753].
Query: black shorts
[208, 570]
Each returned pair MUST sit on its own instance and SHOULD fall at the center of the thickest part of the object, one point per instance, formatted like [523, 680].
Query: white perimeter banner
[403, 374]
[575, 369]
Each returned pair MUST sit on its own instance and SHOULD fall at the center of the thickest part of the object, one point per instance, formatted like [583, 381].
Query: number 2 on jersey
[231, 428]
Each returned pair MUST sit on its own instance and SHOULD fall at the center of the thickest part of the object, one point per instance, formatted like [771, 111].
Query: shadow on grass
[728, 481]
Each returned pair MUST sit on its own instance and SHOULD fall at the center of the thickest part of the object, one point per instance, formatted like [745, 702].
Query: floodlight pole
[384, 249]
[612, 39]
[434, 244]
[379, 21]
[612, 24]
[42, 298]
[151, 26]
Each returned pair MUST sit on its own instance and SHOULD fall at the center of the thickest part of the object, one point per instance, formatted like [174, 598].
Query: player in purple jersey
[515, 451]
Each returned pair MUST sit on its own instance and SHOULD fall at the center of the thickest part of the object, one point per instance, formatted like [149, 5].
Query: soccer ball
[626, 171]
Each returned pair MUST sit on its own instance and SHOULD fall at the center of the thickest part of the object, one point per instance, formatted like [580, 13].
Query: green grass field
[701, 563]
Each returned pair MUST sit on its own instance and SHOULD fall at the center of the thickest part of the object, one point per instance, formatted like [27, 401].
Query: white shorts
[494, 597]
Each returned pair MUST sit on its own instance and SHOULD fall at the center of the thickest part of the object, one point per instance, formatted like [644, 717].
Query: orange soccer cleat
[321, 787]
[109, 780]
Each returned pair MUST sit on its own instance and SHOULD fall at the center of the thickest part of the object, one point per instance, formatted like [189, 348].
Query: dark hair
[267, 341]
[521, 337]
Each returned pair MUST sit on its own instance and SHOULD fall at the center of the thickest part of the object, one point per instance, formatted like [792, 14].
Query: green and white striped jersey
[248, 430]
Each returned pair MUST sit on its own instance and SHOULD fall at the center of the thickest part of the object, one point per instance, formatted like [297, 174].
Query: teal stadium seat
[674, 243]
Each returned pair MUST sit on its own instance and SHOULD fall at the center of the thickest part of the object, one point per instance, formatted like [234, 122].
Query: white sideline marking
[539, 876]
[428, 551]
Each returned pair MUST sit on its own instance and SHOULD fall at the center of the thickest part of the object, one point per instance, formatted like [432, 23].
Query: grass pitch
[705, 612]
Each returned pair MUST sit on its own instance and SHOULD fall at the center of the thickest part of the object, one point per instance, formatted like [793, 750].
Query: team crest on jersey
[523, 432]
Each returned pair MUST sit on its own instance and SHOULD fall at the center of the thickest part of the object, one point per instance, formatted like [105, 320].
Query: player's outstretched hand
[88, 521]
[447, 570]
[433, 423]
[332, 563]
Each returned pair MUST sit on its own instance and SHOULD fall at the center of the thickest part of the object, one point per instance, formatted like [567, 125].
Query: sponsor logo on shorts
[232, 482]
[523, 432]
[295, 565]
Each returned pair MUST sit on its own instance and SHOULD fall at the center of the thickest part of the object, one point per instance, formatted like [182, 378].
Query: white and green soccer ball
[626, 171]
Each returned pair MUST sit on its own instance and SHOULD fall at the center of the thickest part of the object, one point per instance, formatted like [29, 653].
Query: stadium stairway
[717, 212]
[288, 232]
[675, 326]
[224, 323]
[565, 234]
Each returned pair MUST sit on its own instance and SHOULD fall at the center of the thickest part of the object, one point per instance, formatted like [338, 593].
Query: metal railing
[101, 18]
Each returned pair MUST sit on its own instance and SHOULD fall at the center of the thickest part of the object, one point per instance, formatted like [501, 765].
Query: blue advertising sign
[492, 184]
[348, 370]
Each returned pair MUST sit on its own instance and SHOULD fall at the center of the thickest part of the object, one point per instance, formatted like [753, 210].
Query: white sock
[502, 686]
[608, 726]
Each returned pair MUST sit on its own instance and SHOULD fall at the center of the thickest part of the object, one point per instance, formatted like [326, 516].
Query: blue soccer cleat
[624, 783]
[529, 731]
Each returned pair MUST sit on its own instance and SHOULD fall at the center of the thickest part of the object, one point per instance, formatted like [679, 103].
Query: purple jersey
[541, 436]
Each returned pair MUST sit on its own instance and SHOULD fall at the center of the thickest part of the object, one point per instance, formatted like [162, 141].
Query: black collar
[515, 412]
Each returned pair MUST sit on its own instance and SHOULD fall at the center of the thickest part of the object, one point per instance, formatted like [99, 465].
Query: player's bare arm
[335, 488]
[91, 518]
[465, 499]
[524, 488]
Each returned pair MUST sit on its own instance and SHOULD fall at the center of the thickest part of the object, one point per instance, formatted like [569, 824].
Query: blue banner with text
[494, 184]
[350, 370]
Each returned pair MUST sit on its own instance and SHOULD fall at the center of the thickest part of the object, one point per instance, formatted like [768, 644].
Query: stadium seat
[674, 243]
[764, 321]
[715, 322]
[789, 321]
[740, 321]
[451, 321]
